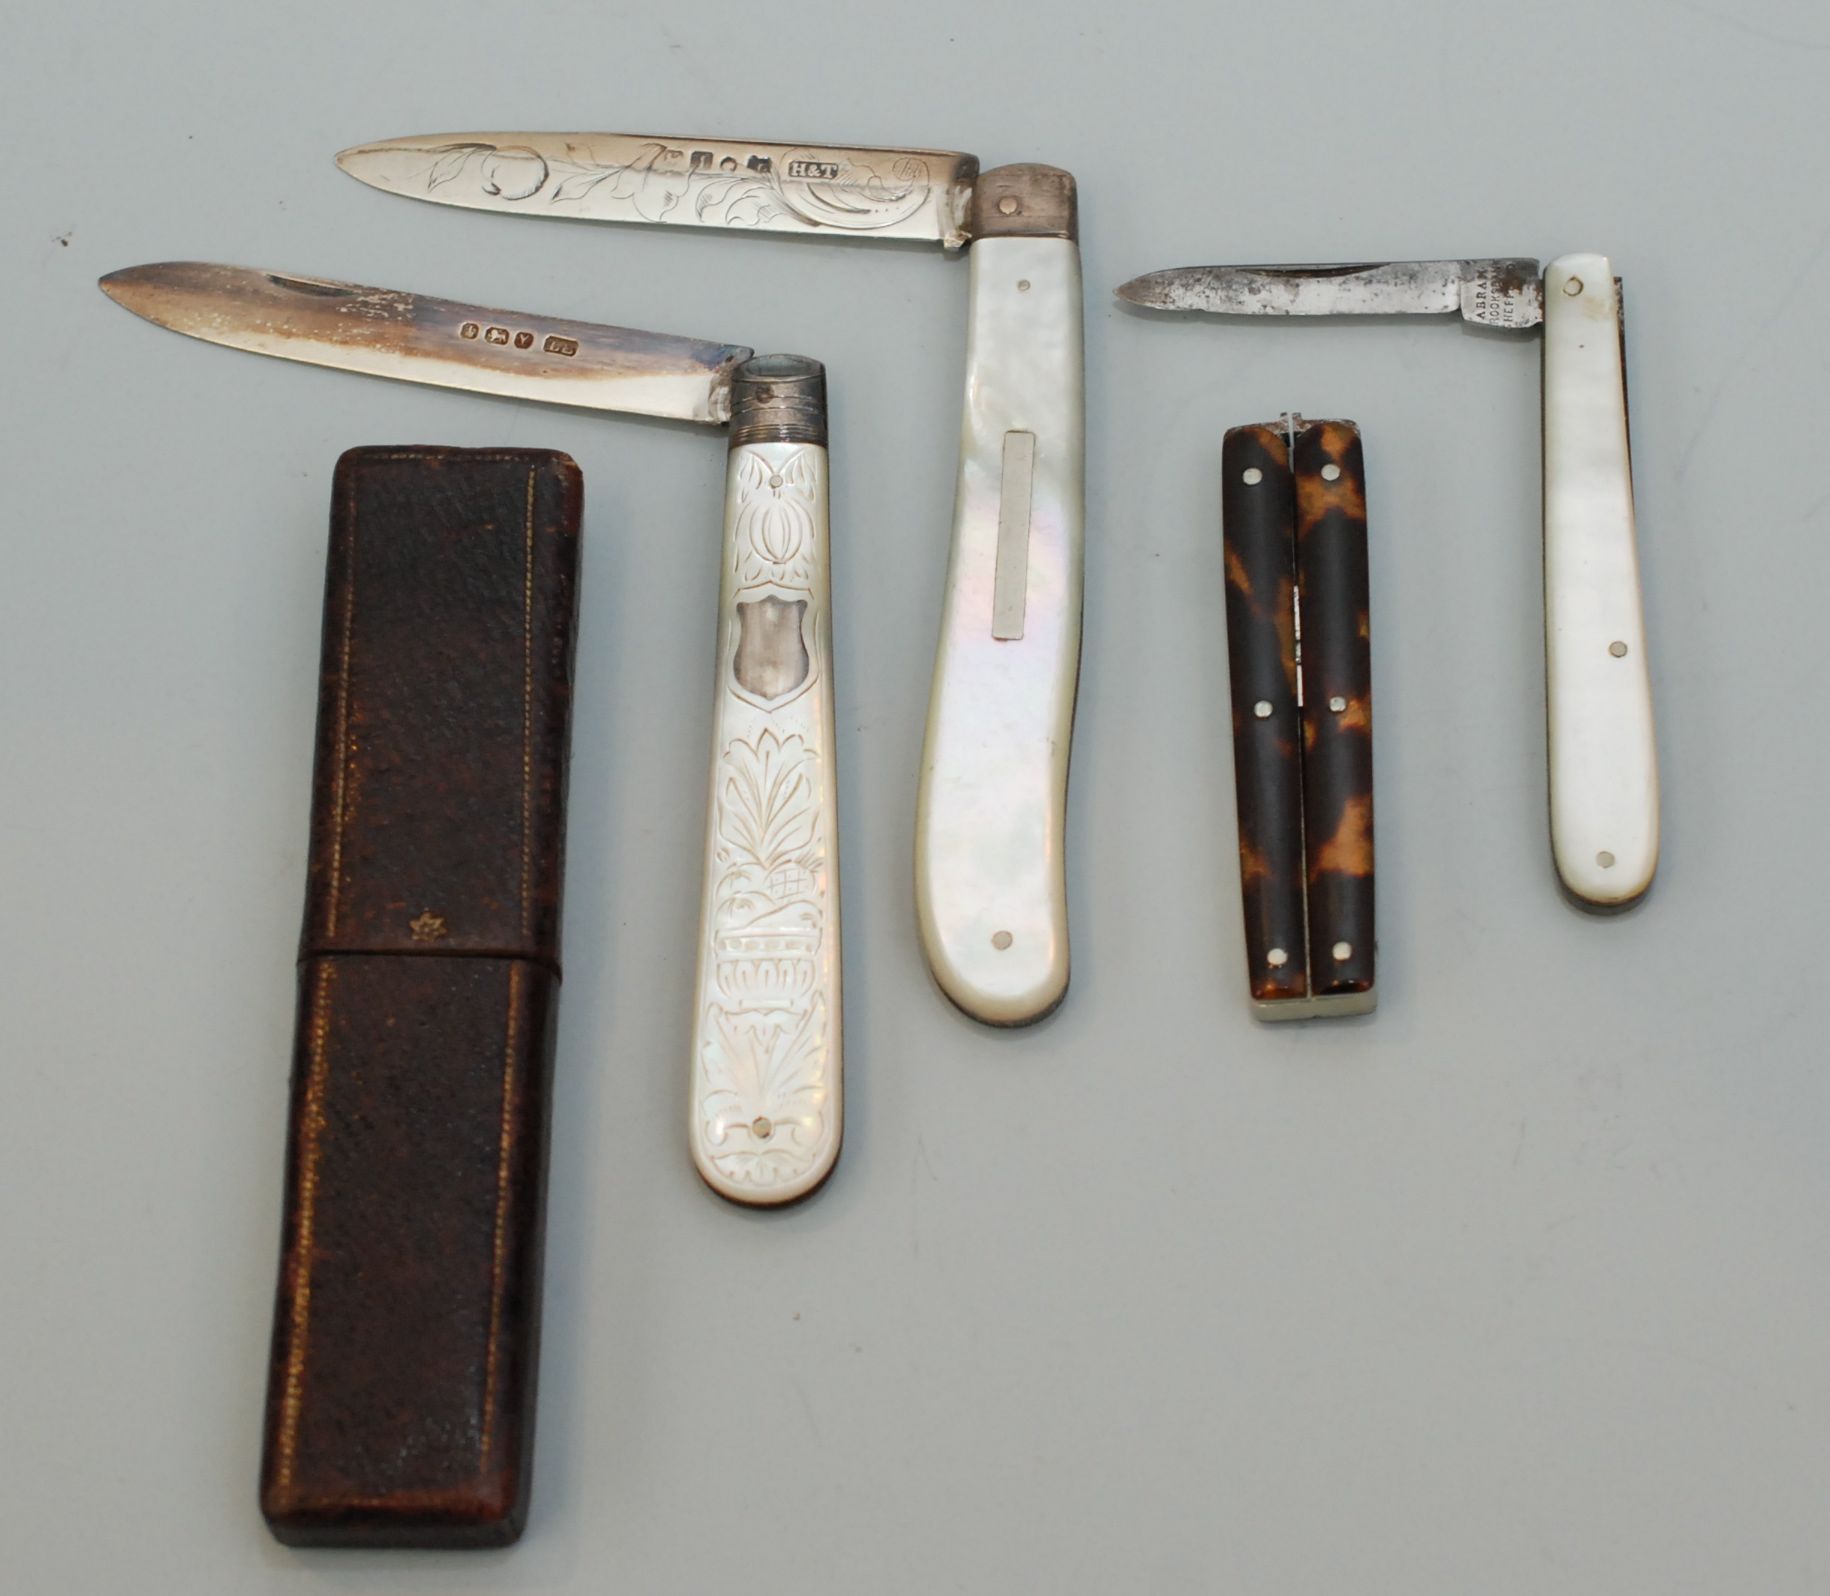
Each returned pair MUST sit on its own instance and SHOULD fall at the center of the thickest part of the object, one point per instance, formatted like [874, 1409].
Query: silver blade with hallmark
[1604, 806]
[413, 338]
[991, 891]
[766, 1068]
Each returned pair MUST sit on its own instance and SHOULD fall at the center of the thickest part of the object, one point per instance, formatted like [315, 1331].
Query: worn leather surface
[401, 1389]
[401, 1393]
[437, 818]
[1331, 576]
[1259, 520]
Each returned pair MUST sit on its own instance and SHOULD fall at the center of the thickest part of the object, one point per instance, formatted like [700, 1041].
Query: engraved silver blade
[417, 339]
[627, 177]
[1493, 293]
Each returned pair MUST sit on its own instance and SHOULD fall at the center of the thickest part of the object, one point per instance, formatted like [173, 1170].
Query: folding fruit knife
[991, 809]
[765, 1100]
[1604, 825]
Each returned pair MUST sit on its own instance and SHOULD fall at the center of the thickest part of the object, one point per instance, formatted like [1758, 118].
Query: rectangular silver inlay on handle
[1010, 588]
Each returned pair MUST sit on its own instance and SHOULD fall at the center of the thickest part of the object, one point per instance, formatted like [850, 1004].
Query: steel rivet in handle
[1022, 285]
[762, 1127]
[1251, 476]
[1573, 286]
[1337, 704]
[1605, 859]
[1618, 650]
[1009, 205]
[1331, 472]
[1262, 709]
[1002, 940]
[1343, 951]
[1277, 958]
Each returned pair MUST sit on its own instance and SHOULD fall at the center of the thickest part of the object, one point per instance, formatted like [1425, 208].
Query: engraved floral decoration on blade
[763, 1057]
[819, 188]
[775, 505]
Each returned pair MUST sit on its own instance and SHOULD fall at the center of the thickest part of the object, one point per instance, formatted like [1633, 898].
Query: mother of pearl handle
[766, 1102]
[990, 867]
[1603, 762]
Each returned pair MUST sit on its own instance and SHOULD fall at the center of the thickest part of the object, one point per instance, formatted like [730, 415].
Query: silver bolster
[778, 399]
[766, 1103]
[991, 810]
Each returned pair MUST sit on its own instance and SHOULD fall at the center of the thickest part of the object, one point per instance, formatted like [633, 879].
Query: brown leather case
[400, 1406]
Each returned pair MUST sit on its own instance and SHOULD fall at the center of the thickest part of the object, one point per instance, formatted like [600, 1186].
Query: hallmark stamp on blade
[553, 344]
[825, 171]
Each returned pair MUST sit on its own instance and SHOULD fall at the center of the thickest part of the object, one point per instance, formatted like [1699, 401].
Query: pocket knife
[1604, 823]
[990, 875]
[1299, 656]
[766, 1072]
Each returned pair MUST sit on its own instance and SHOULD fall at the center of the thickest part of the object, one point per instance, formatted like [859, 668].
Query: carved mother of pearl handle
[766, 1103]
[990, 867]
[1603, 761]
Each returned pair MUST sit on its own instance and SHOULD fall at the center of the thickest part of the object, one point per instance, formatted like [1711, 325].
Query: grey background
[1519, 1286]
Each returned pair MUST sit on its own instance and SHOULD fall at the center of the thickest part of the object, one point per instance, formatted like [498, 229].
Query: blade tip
[358, 161]
[1143, 291]
[119, 284]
